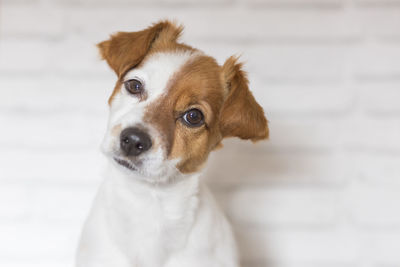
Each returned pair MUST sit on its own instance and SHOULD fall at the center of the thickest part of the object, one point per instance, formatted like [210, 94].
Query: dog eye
[133, 86]
[193, 118]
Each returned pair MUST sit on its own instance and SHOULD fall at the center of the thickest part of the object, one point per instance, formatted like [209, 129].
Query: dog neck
[139, 210]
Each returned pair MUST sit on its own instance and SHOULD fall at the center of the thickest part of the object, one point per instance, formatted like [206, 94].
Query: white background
[323, 192]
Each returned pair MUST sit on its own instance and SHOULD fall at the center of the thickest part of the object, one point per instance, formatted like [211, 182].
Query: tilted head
[172, 104]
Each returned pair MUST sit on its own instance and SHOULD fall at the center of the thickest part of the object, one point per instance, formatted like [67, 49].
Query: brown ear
[241, 115]
[125, 50]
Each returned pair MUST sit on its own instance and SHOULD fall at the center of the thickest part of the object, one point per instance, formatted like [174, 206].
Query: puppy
[171, 106]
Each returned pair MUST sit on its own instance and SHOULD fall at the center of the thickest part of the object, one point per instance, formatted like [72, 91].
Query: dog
[171, 106]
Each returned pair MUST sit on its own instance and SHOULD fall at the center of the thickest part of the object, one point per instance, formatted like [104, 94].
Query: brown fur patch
[127, 50]
[196, 85]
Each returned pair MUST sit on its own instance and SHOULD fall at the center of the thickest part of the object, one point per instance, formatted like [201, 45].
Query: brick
[297, 246]
[88, 4]
[308, 64]
[45, 201]
[14, 199]
[304, 101]
[381, 23]
[386, 265]
[77, 57]
[380, 99]
[302, 134]
[375, 205]
[382, 248]
[46, 97]
[301, 64]
[379, 169]
[221, 23]
[377, 3]
[23, 56]
[58, 113]
[243, 162]
[75, 165]
[19, 2]
[372, 135]
[37, 263]
[57, 130]
[282, 207]
[68, 57]
[198, 2]
[377, 62]
[297, 3]
[32, 21]
[141, 3]
[296, 264]
[37, 241]
[61, 202]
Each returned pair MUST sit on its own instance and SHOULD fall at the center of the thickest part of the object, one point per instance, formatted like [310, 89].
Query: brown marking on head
[127, 50]
[196, 85]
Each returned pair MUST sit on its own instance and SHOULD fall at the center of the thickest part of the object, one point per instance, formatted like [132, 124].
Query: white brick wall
[323, 192]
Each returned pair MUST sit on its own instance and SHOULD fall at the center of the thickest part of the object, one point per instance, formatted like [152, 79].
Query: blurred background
[324, 191]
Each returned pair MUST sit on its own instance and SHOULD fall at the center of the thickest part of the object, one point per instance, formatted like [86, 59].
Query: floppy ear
[125, 50]
[241, 115]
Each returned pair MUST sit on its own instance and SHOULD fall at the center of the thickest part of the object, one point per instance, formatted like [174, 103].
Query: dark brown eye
[193, 118]
[133, 86]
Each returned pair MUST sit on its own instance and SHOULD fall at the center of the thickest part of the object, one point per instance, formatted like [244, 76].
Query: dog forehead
[157, 70]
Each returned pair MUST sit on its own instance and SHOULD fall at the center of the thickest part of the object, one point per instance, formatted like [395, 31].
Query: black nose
[134, 141]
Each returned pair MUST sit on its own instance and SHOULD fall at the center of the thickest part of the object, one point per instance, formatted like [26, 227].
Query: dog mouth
[125, 163]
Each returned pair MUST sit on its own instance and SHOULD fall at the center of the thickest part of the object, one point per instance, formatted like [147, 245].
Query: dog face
[172, 104]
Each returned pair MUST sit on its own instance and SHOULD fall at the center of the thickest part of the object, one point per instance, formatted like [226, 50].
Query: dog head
[172, 104]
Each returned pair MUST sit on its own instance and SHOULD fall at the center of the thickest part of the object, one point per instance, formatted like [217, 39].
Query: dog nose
[134, 141]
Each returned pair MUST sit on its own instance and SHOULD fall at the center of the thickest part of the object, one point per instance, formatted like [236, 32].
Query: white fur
[155, 216]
